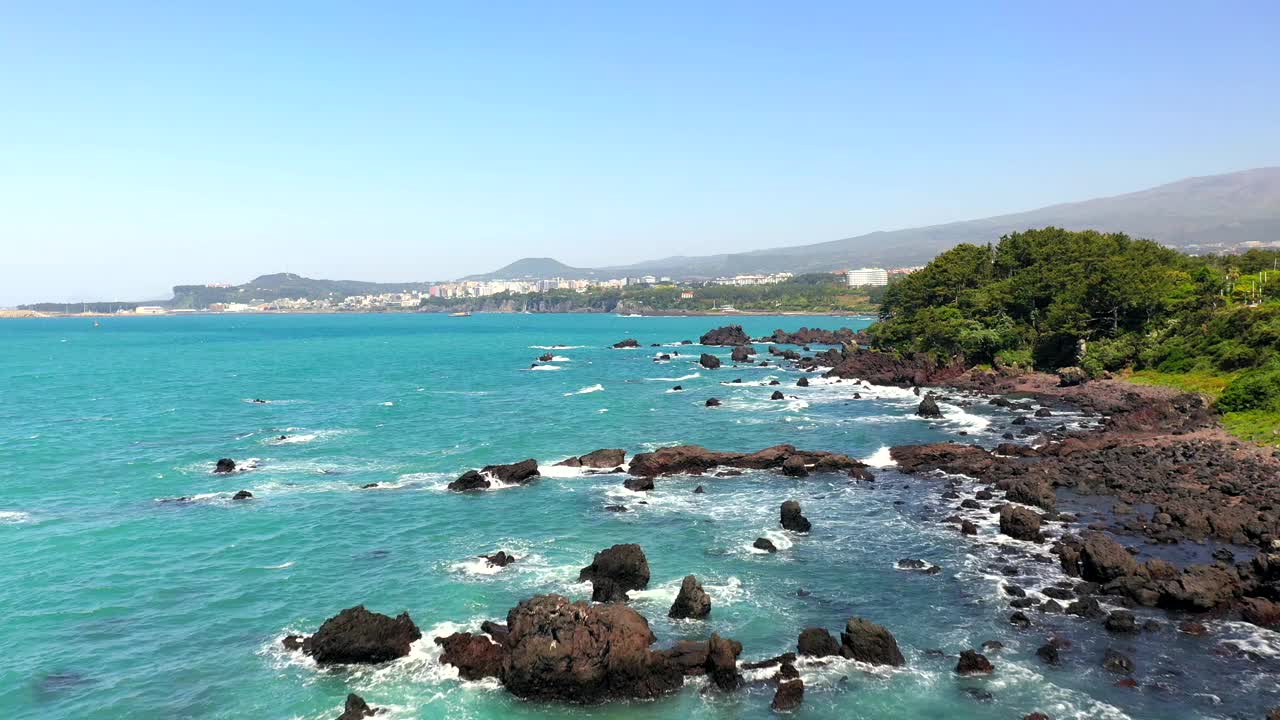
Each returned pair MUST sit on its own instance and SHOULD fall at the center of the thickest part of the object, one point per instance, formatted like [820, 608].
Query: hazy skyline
[148, 145]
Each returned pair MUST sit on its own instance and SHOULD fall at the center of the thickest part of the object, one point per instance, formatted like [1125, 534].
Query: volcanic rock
[357, 635]
[692, 601]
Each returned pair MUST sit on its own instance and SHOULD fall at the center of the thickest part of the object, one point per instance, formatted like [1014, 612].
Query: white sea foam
[880, 458]
[691, 376]
[242, 466]
[586, 390]
[14, 517]
[559, 358]
[388, 404]
[779, 539]
[476, 566]
[556, 347]
[281, 566]
[545, 367]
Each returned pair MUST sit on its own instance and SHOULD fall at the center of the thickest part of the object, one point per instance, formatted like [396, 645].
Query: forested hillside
[1050, 298]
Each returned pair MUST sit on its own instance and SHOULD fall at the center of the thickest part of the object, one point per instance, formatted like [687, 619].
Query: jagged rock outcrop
[576, 652]
[792, 519]
[691, 602]
[615, 570]
[357, 635]
[709, 361]
[475, 656]
[868, 642]
[727, 335]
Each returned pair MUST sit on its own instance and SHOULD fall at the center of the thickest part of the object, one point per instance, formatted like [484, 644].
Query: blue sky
[145, 144]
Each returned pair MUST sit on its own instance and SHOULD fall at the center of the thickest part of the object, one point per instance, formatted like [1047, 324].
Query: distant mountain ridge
[1205, 214]
[535, 269]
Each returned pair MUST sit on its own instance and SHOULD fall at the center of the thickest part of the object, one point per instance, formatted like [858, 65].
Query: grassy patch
[1198, 381]
[1260, 426]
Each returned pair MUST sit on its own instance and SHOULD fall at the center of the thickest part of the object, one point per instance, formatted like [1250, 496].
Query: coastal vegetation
[1108, 303]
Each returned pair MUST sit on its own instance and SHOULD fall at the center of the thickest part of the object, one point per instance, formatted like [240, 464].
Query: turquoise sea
[118, 604]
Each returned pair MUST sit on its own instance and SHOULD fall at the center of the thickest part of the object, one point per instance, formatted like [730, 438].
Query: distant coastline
[34, 315]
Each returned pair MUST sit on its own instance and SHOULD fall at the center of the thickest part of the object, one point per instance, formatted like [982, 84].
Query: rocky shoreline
[1175, 476]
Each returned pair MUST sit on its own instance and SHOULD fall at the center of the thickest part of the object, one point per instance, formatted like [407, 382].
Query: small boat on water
[464, 313]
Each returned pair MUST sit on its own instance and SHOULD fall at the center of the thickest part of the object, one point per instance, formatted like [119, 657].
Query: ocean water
[120, 604]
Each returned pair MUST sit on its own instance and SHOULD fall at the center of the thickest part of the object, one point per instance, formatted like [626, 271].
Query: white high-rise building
[867, 276]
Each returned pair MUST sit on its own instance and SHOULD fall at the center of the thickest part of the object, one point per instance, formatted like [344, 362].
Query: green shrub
[1254, 390]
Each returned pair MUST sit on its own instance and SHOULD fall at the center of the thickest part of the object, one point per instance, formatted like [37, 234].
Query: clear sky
[146, 144]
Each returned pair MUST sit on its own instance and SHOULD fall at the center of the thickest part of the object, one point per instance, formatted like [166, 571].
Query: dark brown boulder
[712, 402]
[242, 495]
[1019, 522]
[357, 709]
[546, 357]
[868, 642]
[794, 466]
[638, 484]
[709, 361]
[1029, 491]
[974, 663]
[605, 458]
[777, 395]
[928, 408]
[475, 656]
[469, 481]
[628, 343]
[692, 459]
[792, 519]
[292, 642]
[816, 642]
[1260, 612]
[576, 652]
[764, 544]
[514, 473]
[742, 353]
[789, 695]
[802, 382]
[722, 662]
[357, 635]
[727, 335]
[500, 559]
[224, 465]
[1117, 662]
[1103, 559]
[616, 570]
[692, 601]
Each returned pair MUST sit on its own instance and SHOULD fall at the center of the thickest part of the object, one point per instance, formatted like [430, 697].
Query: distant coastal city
[289, 293]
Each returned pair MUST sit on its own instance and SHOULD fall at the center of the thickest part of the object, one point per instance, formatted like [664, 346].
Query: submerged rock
[501, 558]
[615, 570]
[764, 544]
[224, 465]
[242, 495]
[692, 601]
[712, 402]
[974, 663]
[357, 635]
[638, 484]
[628, 343]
